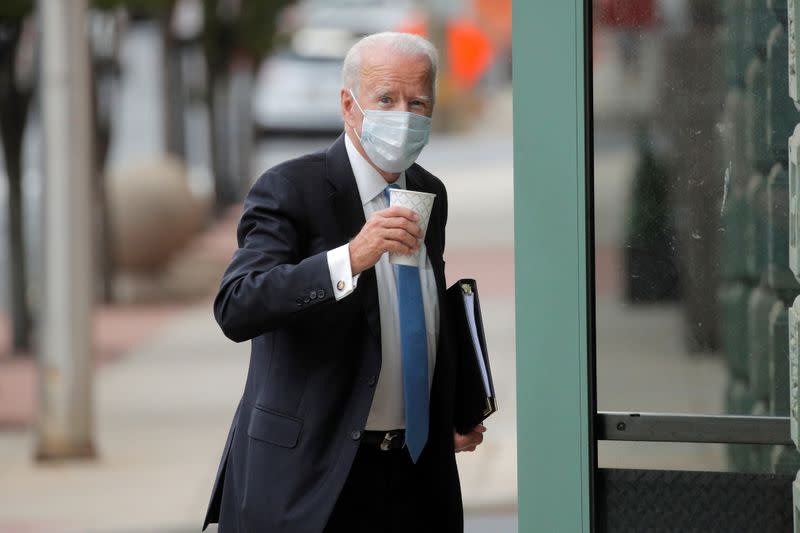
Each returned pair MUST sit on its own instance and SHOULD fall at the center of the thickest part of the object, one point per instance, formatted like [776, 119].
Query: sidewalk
[143, 307]
[165, 392]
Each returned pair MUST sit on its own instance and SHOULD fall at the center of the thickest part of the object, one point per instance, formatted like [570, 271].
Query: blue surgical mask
[393, 139]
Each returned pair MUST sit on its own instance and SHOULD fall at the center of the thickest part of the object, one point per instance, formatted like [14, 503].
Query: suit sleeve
[268, 283]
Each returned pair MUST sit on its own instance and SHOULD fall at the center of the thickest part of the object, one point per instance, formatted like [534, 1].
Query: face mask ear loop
[362, 113]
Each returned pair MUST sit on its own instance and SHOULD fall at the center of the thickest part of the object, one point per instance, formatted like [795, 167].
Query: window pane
[692, 120]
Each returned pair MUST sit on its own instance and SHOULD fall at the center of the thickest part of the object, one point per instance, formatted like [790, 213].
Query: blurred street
[165, 402]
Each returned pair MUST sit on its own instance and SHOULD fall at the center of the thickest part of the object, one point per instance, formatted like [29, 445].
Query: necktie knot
[387, 194]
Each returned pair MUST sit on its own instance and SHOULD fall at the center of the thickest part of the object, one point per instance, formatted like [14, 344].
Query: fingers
[402, 237]
[470, 441]
[400, 217]
[401, 223]
[392, 230]
[397, 211]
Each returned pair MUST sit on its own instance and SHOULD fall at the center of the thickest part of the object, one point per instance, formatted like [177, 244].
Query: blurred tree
[104, 39]
[16, 91]
[15, 96]
[236, 36]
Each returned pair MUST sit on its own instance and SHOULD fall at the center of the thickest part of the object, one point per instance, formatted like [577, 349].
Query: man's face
[390, 82]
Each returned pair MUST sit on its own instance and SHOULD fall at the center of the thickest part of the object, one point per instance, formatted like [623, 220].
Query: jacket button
[313, 295]
[371, 381]
[299, 301]
[355, 435]
[306, 300]
[320, 294]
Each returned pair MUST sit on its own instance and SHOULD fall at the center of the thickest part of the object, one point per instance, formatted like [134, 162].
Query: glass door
[693, 160]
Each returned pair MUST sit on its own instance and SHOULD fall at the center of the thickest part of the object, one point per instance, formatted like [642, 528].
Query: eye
[418, 103]
[385, 100]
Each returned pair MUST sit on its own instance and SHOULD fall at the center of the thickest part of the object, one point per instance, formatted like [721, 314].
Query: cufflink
[340, 285]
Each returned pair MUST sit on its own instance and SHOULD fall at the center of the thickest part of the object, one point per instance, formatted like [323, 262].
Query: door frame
[553, 272]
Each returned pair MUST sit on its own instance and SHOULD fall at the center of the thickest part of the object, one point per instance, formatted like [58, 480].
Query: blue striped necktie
[414, 348]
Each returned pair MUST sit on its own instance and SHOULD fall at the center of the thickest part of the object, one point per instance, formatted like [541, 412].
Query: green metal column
[550, 255]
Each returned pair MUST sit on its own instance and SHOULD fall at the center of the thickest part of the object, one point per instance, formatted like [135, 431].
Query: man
[333, 433]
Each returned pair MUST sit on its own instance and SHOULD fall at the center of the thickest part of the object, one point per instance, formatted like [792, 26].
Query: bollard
[794, 335]
[779, 275]
[755, 228]
[793, 7]
[734, 151]
[794, 158]
[793, 10]
[779, 359]
[739, 401]
[796, 502]
[733, 265]
[759, 456]
[756, 116]
[736, 54]
[785, 460]
[733, 300]
[781, 113]
[759, 307]
[758, 21]
[778, 8]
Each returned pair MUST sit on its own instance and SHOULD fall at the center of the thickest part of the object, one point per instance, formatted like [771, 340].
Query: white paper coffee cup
[422, 204]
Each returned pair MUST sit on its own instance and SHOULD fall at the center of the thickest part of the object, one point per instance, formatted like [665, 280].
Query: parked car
[297, 87]
[297, 93]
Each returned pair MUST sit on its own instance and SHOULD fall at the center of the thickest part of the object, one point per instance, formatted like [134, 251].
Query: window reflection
[694, 218]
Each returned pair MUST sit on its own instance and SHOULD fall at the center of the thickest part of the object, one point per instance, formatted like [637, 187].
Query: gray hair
[401, 43]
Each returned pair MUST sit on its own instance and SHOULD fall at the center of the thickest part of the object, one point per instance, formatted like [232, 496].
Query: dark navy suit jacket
[314, 361]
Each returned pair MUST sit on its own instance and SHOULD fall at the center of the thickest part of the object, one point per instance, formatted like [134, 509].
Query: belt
[393, 439]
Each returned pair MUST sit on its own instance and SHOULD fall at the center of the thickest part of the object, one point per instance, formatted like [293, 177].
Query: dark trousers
[381, 494]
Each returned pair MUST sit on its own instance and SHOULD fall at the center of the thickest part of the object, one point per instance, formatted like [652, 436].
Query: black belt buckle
[388, 437]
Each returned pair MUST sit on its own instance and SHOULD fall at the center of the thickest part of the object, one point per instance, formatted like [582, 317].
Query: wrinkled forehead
[384, 67]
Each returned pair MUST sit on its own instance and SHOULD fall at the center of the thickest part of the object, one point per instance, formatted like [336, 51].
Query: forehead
[385, 68]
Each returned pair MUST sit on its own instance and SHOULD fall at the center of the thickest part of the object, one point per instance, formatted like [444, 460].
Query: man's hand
[468, 442]
[390, 230]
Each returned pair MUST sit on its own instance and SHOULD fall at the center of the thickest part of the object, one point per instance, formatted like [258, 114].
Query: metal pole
[65, 409]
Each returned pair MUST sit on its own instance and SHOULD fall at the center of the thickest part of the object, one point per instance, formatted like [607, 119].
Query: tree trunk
[219, 95]
[13, 114]
[102, 87]
[174, 97]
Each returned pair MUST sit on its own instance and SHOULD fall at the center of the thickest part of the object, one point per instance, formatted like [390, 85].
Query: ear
[349, 110]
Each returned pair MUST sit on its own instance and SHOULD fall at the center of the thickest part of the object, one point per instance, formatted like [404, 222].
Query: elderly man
[346, 421]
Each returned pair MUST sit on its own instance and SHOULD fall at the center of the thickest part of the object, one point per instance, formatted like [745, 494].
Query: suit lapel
[349, 214]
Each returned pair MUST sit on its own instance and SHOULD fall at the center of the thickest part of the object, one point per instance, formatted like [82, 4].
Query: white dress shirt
[387, 411]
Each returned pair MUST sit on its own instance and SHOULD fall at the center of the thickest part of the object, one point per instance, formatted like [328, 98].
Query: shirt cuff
[342, 279]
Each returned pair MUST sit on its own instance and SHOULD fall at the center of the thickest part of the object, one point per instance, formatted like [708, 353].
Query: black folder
[475, 398]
